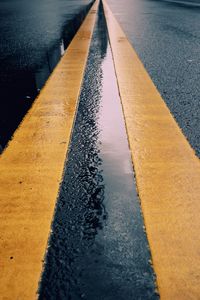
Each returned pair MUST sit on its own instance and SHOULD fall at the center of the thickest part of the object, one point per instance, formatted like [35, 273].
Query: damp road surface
[166, 35]
[98, 247]
[33, 36]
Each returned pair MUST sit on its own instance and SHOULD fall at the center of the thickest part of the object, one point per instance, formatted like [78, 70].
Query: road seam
[167, 173]
[31, 170]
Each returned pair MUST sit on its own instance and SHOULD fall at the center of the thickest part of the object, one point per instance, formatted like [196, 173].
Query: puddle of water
[98, 249]
[114, 148]
[19, 88]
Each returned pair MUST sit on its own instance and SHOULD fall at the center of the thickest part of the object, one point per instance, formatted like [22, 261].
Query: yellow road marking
[31, 170]
[167, 174]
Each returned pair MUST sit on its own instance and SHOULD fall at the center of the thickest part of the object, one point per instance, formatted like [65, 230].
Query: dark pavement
[33, 35]
[166, 36]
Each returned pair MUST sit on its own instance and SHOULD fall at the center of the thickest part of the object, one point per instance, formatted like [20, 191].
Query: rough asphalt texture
[98, 249]
[166, 36]
[30, 37]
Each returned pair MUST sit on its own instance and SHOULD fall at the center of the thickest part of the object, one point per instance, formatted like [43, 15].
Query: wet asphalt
[166, 36]
[98, 247]
[33, 36]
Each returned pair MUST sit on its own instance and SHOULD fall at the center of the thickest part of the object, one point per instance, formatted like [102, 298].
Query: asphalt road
[33, 35]
[166, 36]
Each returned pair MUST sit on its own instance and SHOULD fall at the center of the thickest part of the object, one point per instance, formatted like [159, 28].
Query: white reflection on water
[113, 133]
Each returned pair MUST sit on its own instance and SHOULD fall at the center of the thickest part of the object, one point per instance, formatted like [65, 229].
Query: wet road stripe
[98, 249]
[167, 173]
[31, 170]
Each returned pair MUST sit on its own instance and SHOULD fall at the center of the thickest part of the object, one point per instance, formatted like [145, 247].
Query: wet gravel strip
[98, 248]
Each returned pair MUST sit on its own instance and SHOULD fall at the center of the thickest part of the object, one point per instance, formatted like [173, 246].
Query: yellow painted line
[167, 174]
[31, 170]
